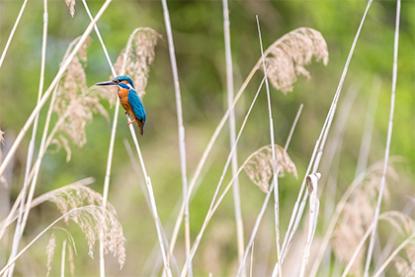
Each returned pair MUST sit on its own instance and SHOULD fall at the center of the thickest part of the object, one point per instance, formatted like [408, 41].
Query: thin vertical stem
[274, 160]
[18, 231]
[232, 130]
[319, 145]
[111, 144]
[13, 31]
[181, 129]
[266, 200]
[366, 141]
[49, 91]
[153, 205]
[63, 258]
[388, 140]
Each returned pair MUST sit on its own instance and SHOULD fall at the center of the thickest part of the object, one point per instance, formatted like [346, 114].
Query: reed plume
[71, 6]
[135, 59]
[75, 106]
[356, 218]
[286, 59]
[260, 168]
[92, 220]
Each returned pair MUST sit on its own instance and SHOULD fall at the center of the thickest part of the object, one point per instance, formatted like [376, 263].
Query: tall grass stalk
[388, 139]
[18, 232]
[365, 143]
[181, 129]
[40, 199]
[393, 255]
[265, 202]
[154, 212]
[213, 205]
[274, 160]
[12, 33]
[112, 140]
[319, 146]
[49, 91]
[333, 221]
[41, 233]
[200, 166]
[232, 129]
[63, 258]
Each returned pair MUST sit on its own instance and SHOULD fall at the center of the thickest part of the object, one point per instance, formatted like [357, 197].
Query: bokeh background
[198, 35]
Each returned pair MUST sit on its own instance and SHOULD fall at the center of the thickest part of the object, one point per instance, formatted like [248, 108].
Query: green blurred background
[198, 35]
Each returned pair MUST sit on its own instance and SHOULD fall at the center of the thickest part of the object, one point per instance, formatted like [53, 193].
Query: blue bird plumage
[129, 99]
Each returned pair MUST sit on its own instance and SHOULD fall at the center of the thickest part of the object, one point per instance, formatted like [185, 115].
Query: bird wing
[136, 105]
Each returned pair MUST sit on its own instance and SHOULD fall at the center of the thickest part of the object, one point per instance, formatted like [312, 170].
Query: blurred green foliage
[198, 35]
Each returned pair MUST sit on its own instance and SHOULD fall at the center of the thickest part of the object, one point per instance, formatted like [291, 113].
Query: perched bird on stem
[129, 99]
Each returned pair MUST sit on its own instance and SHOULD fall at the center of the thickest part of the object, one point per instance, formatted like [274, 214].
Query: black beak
[107, 83]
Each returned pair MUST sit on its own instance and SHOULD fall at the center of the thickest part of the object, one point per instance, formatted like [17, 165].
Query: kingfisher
[129, 99]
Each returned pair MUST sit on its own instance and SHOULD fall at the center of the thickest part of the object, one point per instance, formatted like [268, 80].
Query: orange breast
[123, 95]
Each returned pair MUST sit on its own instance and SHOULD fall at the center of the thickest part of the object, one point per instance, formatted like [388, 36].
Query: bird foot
[131, 121]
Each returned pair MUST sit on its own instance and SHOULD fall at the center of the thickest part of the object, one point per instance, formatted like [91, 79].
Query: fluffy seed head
[286, 59]
[260, 168]
[137, 56]
[357, 216]
[74, 106]
[92, 220]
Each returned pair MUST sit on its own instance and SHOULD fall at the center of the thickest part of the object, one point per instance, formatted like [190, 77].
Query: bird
[129, 100]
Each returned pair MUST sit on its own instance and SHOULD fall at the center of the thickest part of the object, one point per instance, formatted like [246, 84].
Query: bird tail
[140, 125]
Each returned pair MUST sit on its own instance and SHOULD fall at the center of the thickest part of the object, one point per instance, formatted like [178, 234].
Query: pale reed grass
[31, 148]
[232, 129]
[395, 219]
[72, 197]
[75, 99]
[212, 205]
[194, 181]
[71, 6]
[405, 267]
[388, 138]
[50, 252]
[50, 89]
[181, 131]
[112, 140]
[77, 195]
[94, 212]
[65, 106]
[12, 32]
[63, 258]
[319, 145]
[260, 165]
[265, 203]
[135, 59]
[366, 178]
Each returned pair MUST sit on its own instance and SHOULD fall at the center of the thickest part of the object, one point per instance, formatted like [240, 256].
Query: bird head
[121, 81]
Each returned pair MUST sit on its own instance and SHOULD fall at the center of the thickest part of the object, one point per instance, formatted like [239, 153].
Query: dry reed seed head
[286, 59]
[75, 106]
[260, 168]
[405, 267]
[92, 220]
[403, 223]
[50, 250]
[71, 6]
[137, 56]
[356, 218]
